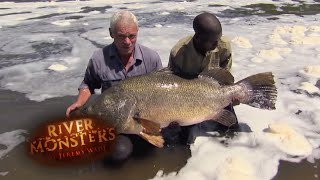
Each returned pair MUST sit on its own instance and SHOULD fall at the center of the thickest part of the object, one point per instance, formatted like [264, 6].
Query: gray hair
[125, 16]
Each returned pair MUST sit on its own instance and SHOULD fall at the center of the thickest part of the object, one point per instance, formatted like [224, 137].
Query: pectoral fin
[156, 140]
[148, 126]
[150, 132]
[226, 118]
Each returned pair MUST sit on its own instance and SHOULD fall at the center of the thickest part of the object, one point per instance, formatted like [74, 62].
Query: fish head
[83, 111]
[99, 111]
[120, 107]
[117, 107]
[114, 107]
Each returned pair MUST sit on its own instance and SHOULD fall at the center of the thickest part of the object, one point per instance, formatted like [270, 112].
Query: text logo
[71, 140]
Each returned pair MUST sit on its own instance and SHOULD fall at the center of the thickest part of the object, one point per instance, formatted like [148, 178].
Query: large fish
[144, 104]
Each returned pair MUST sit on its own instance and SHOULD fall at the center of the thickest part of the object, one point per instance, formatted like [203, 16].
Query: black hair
[207, 23]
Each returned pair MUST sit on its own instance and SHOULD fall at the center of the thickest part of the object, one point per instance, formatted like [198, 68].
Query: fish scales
[164, 98]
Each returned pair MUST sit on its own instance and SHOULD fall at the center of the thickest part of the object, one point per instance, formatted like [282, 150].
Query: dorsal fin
[164, 70]
[167, 70]
[223, 76]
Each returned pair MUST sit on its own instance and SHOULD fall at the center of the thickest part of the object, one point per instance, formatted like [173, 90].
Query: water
[279, 36]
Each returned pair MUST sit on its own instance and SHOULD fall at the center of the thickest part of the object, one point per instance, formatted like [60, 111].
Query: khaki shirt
[186, 60]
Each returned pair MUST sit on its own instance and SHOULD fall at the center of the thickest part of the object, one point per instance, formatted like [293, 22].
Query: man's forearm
[83, 96]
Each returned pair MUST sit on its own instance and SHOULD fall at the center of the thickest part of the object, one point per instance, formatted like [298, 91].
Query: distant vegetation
[262, 9]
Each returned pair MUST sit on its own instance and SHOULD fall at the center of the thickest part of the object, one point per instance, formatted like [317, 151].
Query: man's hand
[73, 107]
[83, 96]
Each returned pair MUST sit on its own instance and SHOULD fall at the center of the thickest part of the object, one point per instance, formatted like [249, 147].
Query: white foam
[297, 35]
[275, 53]
[309, 40]
[277, 39]
[164, 13]
[94, 12]
[313, 70]
[4, 173]
[242, 42]
[214, 160]
[285, 50]
[314, 28]
[156, 39]
[257, 60]
[236, 168]
[288, 140]
[136, 6]
[310, 88]
[57, 67]
[315, 155]
[63, 22]
[310, 73]
[11, 140]
[270, 54]
[71, 60]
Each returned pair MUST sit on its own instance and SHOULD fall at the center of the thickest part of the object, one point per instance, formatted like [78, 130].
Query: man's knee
[122, 150]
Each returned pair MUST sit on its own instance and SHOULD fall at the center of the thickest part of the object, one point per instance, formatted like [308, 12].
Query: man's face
[125, 37]
[204, 42]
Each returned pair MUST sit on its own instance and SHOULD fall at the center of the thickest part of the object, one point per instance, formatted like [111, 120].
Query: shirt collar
[137, 53]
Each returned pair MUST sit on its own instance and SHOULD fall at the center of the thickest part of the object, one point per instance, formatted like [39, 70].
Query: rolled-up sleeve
[226, 55]
[227, 63]
[91, 79]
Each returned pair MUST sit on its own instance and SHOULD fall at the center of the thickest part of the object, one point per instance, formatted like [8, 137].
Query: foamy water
[10, 140]
[287, 45]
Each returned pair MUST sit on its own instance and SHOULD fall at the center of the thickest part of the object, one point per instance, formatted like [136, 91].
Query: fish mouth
[76, 113]
[80, 112]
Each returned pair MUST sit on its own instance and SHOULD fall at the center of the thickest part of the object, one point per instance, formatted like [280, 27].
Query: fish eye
[85, 110]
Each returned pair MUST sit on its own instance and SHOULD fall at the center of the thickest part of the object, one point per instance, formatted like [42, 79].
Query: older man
[117, 61]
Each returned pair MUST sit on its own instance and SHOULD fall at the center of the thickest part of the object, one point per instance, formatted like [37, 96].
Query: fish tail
[260, 91]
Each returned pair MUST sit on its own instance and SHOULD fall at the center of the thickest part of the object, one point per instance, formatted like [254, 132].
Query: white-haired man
[117, 61]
